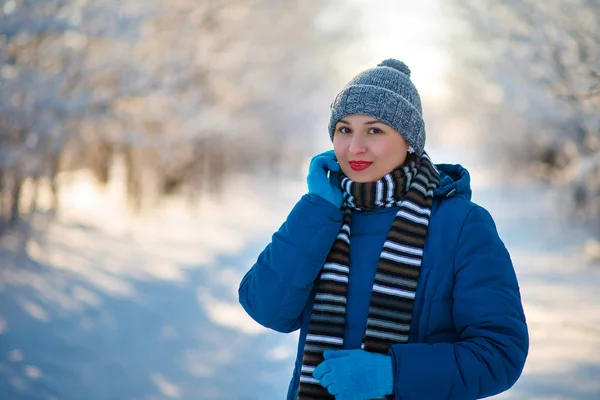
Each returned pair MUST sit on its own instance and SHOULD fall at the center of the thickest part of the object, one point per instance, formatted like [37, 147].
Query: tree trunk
[2, 202]
[54, 166]
[15, 200]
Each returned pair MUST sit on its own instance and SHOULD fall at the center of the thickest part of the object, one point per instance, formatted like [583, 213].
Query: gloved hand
[355, 374]
[322, 185]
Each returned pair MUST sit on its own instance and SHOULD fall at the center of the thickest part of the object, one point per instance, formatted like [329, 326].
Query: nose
[357, 144]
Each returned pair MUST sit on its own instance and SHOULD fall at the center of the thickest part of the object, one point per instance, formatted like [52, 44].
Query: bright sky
[412, 32]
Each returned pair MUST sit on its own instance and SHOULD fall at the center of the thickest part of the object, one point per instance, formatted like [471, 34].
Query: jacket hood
[454, 181]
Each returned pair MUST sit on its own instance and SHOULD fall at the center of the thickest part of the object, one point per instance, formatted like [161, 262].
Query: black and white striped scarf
[390, 312]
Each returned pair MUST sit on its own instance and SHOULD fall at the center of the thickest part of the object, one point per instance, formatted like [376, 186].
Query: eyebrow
[375, 121]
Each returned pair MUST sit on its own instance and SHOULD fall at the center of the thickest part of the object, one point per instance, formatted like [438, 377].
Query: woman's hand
[323, 178]
[355, 374]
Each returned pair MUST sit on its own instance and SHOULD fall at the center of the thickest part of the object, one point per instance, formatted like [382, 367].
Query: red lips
[360, 165]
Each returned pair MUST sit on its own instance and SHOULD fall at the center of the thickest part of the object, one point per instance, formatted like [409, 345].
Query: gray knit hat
[386, 93]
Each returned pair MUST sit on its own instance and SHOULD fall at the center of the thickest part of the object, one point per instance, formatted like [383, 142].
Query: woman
[399, 284]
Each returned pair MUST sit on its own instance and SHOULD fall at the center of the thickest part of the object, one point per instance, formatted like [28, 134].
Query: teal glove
[355, 374]
[322, 185]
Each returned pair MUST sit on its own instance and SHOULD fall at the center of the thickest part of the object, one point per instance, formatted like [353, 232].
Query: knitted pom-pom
[396, 64]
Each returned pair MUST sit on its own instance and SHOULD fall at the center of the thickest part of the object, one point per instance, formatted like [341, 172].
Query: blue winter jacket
[468, 336]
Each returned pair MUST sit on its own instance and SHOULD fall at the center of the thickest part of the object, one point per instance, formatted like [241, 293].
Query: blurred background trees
[530, 71]
[179, 92]
[182, 93]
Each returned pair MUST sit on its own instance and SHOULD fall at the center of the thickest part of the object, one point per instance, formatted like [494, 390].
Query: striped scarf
[409, 187]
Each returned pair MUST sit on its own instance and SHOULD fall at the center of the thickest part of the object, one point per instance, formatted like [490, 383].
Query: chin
[361, 178]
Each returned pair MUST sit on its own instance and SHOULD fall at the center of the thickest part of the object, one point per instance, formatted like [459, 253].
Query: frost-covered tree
[535, 68]
[182, 91]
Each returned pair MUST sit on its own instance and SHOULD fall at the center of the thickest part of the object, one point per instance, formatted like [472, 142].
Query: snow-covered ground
[111, 305]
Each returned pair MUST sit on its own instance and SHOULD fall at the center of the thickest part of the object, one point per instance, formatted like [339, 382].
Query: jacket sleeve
[275, 290]
[489, 318]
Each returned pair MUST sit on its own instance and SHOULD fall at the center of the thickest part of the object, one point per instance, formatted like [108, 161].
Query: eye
[344, 129]
[374, 131]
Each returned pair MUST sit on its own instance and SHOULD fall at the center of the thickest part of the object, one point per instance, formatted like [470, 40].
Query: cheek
[338, 149]
[386, 150]
[394, 153]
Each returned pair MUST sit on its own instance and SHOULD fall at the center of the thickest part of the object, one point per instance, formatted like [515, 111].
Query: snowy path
[119, 307]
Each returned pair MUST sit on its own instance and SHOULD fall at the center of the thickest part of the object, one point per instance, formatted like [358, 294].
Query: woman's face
[366, 148]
